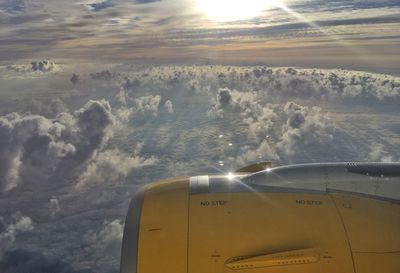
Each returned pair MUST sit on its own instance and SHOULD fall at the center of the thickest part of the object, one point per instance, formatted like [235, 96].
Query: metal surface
[308, 218]
[129, 252]
[378, 180]
[199, 184]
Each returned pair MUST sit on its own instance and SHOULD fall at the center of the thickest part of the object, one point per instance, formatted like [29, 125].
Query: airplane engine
[309, 218]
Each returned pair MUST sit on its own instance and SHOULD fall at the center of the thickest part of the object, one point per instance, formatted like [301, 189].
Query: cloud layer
[308, 33]
[82, 161]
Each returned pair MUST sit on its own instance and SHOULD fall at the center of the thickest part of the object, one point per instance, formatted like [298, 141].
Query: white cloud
[111, 166]
[304, 126]
[378, 154]
[36, 149]
[54, 206]
[44, 66]
[108, 238]
[273, 131]
[168, 106]
[21, 224]
[146, 106]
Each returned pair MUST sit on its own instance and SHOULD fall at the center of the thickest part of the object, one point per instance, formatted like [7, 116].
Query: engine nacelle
[310, 218]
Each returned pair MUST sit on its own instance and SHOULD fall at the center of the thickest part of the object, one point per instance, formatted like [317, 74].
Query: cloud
[146, 108]
[22, 261]
[12, 6]
[224, 101]
[139, 109]
[379, 154]
[107, 239]
[103, 75]
[45, 66]
[273, 131]
[36, 149]
[49, 108]
[276, 83]
[100, 5]
[54, 206]
[305, 126]
[21, 224]
[168, 106]
[224, 97]
[146, 1]
[75, 78]
[264, 151]
[111, 166]
[86, 163]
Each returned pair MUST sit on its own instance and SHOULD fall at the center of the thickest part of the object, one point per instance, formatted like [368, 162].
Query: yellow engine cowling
[295, 219]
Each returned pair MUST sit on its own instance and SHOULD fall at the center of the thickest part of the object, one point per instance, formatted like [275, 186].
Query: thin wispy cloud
[104, 28]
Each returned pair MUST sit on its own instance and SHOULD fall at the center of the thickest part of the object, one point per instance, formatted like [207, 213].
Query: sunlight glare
[233, 10]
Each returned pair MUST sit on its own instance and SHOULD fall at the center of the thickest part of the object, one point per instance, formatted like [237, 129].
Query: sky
[100, 97]
[353, 34]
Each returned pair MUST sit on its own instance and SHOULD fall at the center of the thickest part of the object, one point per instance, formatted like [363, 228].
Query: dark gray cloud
[19, 224]
[98, 6]
[12, 6]
[103, 75]
[340, 5]
[22, 261]
[146, 1]
[75, 78]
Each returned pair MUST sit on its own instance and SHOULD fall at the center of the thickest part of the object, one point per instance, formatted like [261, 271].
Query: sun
[234, 10]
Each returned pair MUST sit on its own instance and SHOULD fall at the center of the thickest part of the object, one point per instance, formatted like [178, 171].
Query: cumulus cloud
[224, 97]
[35, 149]
[54, 206]
[44, 66]
[224, 100]
[273, 131]
[304, 126]
[112, 166]
[264, 151]
[140, 109]
[379, 154]
[147, 106]
[278, 83]
[168, 106]
[108, 237]
[21, 224]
